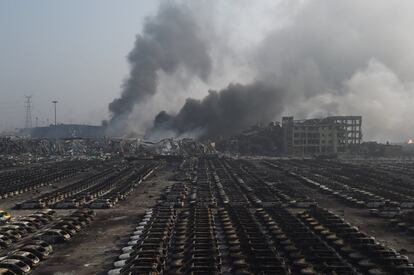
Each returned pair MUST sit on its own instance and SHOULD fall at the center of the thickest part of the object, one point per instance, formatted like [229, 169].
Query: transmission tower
[28, 106]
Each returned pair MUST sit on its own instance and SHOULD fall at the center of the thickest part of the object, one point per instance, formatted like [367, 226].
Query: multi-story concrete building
[330, 135]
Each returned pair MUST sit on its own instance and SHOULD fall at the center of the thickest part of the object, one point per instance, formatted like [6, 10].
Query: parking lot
[216, 216]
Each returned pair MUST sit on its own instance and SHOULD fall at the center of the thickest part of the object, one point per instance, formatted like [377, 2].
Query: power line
[28, 106]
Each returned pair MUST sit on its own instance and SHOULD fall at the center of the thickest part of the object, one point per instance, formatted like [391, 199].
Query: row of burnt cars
[288, 190]
[24, 179]
[402, 167]
[239, 181]
[101, 189]
[385, 195]
[241, 240]
[363, 251]
[27, 241]
[21, 180]
[146, 249]
[220, 222]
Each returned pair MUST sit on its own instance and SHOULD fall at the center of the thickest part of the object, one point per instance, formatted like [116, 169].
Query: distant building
[265, 140]
[321, 136]
[375, 149]
[408, 148]
[68, 131]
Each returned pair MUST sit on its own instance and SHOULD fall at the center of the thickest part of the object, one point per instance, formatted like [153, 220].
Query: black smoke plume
[170, 39]
[221, 114]
[329, 57]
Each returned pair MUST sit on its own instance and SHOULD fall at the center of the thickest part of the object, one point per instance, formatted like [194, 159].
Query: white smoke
[346, 57]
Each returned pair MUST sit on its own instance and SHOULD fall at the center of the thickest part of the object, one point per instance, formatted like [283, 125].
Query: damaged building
[259, 139]
[321, 136]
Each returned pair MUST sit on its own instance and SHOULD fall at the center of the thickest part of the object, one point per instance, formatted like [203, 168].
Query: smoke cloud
[314, 58]
[223, 113]
[375, 92]
[171, 39]
[346, 58]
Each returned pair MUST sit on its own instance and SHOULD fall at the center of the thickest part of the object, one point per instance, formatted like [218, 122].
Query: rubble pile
[65, 147]
[13, 146]
[170, 146]
[265, 140]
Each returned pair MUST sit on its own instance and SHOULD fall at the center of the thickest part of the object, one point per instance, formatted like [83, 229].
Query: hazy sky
[75, 52]
[342, 57]
[71, 51]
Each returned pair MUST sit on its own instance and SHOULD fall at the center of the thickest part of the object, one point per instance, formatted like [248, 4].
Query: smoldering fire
[223, 113]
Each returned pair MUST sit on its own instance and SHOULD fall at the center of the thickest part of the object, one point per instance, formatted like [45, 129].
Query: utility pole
[37, 122]
[28, 106]
[55, 102]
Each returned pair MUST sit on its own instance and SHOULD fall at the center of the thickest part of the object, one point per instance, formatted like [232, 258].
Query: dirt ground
[94, 249]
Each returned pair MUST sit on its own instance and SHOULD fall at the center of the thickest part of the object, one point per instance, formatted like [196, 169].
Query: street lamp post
[55, 102]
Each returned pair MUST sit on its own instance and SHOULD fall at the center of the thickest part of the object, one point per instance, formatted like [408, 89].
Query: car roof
[10, 261]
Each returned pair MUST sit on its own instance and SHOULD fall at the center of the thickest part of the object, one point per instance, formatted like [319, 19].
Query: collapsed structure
[321, 136]
[259, 139]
